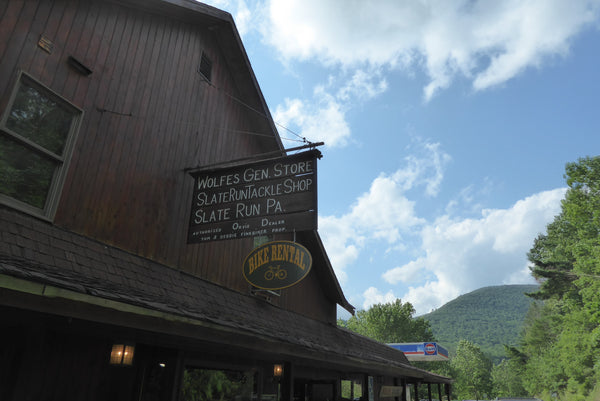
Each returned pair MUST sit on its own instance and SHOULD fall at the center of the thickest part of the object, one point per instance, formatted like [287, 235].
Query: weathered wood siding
[149, 115]
[56, 359]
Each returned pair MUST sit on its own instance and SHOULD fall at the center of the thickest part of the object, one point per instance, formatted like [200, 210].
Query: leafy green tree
[390, 323]
[473, 372]
[507, 376]
[541, 374]
[567, 258]
[562, 341]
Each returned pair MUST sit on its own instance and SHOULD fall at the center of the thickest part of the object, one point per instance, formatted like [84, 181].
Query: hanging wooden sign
[262, 198]
[277, 265]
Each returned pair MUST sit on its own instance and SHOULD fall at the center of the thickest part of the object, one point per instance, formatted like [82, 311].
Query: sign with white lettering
[276, 265]
[262, 198]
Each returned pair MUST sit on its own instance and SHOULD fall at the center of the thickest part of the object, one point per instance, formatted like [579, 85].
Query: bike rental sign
[277, 265]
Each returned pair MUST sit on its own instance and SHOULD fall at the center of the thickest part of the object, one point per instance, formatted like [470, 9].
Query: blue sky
[447, 126]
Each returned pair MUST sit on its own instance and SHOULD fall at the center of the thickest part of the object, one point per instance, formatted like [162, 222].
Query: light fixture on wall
[277, 370]
[122, 354]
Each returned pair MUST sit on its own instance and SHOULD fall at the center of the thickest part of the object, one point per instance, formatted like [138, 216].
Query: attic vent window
[205, 67]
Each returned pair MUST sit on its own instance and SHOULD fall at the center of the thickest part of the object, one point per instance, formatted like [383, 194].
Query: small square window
[37, 133]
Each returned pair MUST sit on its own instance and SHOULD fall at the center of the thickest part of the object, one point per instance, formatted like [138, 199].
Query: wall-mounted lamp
[122, 354]
[277, 370]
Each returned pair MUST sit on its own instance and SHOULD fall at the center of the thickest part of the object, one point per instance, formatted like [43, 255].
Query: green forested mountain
[489, 317]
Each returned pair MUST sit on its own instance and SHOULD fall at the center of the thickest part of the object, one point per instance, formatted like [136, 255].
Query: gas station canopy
[428, 351]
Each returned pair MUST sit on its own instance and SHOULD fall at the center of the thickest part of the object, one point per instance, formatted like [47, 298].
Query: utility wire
[300, 139]
[303, 139]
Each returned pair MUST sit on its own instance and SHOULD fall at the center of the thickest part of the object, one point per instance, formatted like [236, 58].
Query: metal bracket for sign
[255, 290]
[266, 294]
[262, 156]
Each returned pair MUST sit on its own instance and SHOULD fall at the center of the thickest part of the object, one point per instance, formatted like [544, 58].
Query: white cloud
[430, 296]
[410, 272]
[342, 242]
[373, 296]
[243, 17]
[323, 121]
[428, 170]
[384, 213]
[466, 254]
[324, 118]
[384, 210]
[363, 85]
[488, 42]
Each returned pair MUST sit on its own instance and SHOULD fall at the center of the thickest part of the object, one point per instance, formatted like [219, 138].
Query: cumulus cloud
[243, 17]
[384, 213]
[362, 85]
[373, 296]
[465, 254]
[343, 242]
[323, 118]
[486, 42]
[323, 121]
[426, 170]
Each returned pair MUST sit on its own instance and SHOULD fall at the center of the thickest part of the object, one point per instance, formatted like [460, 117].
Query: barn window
[37, 132]
[205, 68]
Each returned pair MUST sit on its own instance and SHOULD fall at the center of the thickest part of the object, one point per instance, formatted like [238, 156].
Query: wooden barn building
[110, 111]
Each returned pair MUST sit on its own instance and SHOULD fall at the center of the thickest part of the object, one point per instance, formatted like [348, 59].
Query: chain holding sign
[262, 198]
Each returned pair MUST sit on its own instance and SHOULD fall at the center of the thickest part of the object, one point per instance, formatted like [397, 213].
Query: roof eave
[327, 274]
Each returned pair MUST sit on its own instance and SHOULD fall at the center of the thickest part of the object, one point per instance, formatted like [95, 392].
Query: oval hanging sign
[277, 265]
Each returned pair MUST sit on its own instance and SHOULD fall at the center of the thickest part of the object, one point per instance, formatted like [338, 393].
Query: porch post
[287, 382]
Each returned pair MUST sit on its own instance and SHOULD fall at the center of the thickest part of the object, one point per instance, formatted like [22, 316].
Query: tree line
[394, 322]
[490, 317]
[559, 354]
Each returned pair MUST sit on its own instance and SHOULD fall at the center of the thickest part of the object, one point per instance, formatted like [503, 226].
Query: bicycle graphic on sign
[275, 272]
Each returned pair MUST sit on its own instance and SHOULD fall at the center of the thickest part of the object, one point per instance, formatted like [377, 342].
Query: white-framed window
[37, 133]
